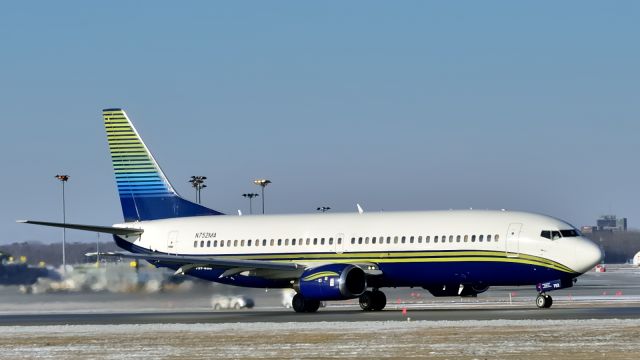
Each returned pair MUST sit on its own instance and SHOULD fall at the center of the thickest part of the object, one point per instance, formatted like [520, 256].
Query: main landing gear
[300, 304]
[373, 300]
[544, 301]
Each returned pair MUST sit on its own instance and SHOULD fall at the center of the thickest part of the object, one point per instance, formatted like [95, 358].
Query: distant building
[611, 223]
[588, 229]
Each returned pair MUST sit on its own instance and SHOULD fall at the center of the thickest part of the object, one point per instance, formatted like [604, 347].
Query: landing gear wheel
[544, 301]
[311, 306]
[367, 301]
[297, 303]
[380, 300]
[300, 304]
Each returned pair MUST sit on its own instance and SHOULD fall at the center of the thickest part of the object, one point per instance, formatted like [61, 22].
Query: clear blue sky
[396, 105]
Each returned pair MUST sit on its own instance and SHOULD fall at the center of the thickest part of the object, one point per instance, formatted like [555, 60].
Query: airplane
[334, 256]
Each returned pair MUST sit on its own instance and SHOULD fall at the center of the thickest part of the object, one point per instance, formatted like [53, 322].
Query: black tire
[380, 300]
[549, 301]
[367, 301]
[311, 306]
[541, 301]
[298, 303]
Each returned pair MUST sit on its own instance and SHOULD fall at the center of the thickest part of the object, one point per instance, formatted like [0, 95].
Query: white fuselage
[517, 234]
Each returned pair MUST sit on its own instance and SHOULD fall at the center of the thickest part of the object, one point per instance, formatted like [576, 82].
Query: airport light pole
[262, 183]
[63, 179]
[198, 183]
[323, 209]
[250, 196]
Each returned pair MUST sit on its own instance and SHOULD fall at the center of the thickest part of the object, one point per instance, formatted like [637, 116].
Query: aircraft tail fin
[145, 192]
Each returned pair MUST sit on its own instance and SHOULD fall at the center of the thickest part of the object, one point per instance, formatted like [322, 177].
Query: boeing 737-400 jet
[334, 256]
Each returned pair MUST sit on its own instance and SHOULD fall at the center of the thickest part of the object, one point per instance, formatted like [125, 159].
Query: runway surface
[350, 314]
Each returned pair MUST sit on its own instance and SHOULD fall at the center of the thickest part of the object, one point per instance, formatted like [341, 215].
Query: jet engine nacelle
[454, 290]
[332, 282]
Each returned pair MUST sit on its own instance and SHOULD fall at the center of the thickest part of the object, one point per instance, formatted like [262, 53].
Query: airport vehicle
[18, 273]
[335, 256]
[222, 302]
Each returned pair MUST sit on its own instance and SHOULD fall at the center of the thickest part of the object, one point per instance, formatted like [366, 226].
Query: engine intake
[332, 282]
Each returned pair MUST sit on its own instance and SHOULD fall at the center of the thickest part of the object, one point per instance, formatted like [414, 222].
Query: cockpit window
[555, 235]
[570, 233]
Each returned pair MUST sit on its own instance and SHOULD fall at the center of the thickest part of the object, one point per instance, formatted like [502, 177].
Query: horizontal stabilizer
[101, 229]
[206, 261]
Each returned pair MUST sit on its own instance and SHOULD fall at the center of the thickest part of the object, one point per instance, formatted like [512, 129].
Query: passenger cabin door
[512, 242]
[172, 242]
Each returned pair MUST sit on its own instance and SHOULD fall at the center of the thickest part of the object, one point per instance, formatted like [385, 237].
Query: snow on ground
[505, 339]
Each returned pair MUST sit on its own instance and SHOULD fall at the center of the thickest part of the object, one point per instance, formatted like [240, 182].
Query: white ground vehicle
[220, 302]
[636, 259]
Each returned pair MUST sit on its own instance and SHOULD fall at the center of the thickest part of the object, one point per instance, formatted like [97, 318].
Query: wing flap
[190, 262]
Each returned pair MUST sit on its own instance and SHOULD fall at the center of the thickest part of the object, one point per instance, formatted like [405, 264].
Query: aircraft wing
[187, 263]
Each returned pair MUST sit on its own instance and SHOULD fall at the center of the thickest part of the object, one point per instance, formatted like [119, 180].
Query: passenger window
[366, 240]
[466, 238]
[271, 242]
[450, 238]
[427, 239]
[373, 240]
[496, 237]
[359, 240]
[221, 243]
[480, 238]
[420, 239]
[249, 242]
[264, 242]
[488, 238]
[395, 239]
[322, 241]
[403, 239]
[339, 241]
[458, 238]
[279, 242]
[202, 243]
[286, 242]
[293, 241]
[208, 243]
[241, 242]
[388, 239]
[473, 238]
[195, 243]
[435, 239]
[215, 243]
[330, 241]
[308, 241]
[353, 240]
[315, 241]
[411, 240]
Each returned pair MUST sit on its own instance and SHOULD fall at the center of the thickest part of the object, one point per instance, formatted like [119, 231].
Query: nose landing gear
[544, 301]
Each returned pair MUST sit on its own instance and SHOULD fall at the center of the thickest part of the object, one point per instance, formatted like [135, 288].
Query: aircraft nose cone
[590, 255]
